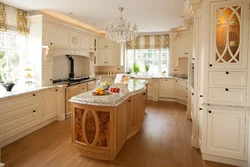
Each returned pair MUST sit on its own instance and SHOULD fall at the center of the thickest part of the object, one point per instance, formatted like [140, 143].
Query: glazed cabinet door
[226, 132]
[228, 31]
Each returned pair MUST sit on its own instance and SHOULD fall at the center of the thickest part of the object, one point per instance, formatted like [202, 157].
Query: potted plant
[136, 68]
[147, 68]
[8, 79]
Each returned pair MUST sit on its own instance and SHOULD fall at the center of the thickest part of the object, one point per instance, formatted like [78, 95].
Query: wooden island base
[99, 132]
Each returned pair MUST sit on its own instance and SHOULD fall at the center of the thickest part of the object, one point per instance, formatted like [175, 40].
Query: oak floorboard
[163, 141]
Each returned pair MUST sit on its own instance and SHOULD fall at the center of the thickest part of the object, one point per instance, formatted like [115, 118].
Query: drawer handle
[226, 89]
[209, 111]
[34, 110]
[144, 93]
[34, 94]
[227, 72]
[129, 100]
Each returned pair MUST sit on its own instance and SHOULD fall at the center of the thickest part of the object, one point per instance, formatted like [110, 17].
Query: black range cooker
[73, 81]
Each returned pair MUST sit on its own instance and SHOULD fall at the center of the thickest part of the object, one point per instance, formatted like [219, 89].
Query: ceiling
[149, 15]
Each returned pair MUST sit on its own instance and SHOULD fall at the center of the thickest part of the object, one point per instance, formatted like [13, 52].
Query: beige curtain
[13, 19]
[149, 42]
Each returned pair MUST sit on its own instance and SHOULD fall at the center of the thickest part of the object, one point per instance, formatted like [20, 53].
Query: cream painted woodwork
[228, 78]
[109, 79]
[228, 29]
[92, 65]
[226, 132]
[227, 95]
[222, 122]
[19, 114]
[92, 44]
[49, 103]
[85, 42]
[109, 53]
[166, 88]
[180, 90]
[60, 109]
[90, 85]
[108, 127]
[184, 46]
[105, 43]
[47, 75]
[70, 92]
[47, 34]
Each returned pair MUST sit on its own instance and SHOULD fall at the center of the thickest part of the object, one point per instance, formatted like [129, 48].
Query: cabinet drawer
[82, 88]
[91, 85]
[227, 95]
[12, 126]
[19, 102]
[230, 78]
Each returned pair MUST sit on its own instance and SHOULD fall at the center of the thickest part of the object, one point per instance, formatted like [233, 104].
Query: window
[12, 48]
[155, 59]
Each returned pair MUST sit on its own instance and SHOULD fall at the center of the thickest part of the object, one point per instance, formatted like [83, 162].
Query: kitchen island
[102, 124]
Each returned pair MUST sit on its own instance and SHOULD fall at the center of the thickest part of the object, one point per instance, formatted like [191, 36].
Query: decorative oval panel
[90, 127]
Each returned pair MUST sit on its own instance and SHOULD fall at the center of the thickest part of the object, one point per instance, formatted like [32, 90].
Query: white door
[226, 132]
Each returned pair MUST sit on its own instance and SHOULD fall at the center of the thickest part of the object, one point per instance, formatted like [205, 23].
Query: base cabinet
[166, 88]
[180, 90]
[49, 104]
[226, 132]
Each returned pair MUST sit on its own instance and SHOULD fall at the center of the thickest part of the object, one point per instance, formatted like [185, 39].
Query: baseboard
[1, 164]
[172, 100]
[224, 160]
[26, 132]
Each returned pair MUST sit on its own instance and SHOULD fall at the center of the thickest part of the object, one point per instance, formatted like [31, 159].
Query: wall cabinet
[109, 53]
[184, 48]
[166, 88]
[180, 90]
[228, 31]
[49, 103]
[226, 132]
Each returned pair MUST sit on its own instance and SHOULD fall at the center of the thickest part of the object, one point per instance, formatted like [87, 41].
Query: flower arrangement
[8, 78]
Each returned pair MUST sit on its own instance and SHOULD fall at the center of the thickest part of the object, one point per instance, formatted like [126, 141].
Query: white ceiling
[149, 15]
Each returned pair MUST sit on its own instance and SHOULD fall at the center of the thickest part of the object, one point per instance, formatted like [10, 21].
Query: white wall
[61, 66]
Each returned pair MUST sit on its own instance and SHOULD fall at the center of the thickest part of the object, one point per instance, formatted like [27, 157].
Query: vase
[8, 87]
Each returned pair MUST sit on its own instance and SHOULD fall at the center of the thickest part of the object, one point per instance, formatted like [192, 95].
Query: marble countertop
[22, 89]
[227, 106]
[146, 77]
[133, 87]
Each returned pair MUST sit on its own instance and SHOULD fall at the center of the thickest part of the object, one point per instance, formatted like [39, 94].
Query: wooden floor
[163, 141]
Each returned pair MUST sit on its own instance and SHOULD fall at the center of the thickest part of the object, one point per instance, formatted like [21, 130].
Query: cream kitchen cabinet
[49, 103]
[92, 44]
[229, 38]
[166, 88]
[19, 114]
[226, 132]
[109, 53]
[105, 43]
[180, 90]
[184, 47]
[90, 85]
[82, 88]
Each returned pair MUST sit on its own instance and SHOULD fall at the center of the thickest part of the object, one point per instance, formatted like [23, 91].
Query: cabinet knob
[129, 100]
[166, 80]
[226, 89]
[90, 48]
[210, 65]
[176, 81]
[227, 72]
[201, 95]
[200, 108]
[209, 111]
[56, 90]
[192, 94]
[192, 58]
[51, 43]
[50, 79]
[34, 94]
[144, 93]
[34, 110]
[82, 88]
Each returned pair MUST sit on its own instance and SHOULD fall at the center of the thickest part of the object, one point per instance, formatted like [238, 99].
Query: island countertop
[133, 87]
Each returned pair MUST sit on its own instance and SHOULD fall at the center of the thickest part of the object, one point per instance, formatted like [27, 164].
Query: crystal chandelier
[120, 31]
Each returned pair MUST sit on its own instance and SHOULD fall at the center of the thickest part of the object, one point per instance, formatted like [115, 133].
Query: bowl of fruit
[100, 91]
[104, 85]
